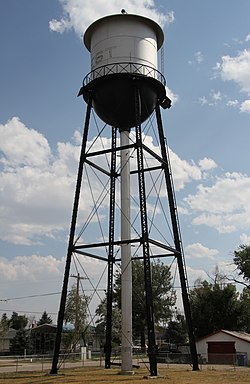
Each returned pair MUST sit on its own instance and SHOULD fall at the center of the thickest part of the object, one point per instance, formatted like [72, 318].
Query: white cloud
[216, 96]
[247, 38]
[212, 99]
[33, 267]
[207, 164]
[198, 58]
[216, 221]
[224, 206]
[196, 273]
[226, 268]
[199, 251]
[203, 100]
[245, 106]
[22, 146]
[237, 41]
[27, 275]
[37, 188]
[183, 171]
[78, 14]
[30, 267]
[36, 199]
[173, 97]
[236, 69]
[233, 103]
[245, 239]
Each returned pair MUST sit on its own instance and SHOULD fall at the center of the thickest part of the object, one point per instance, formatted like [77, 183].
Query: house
[5, 340]
[225, 347]
[42, 338]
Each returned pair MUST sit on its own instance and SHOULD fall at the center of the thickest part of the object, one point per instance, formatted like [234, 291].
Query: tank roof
[156, 27]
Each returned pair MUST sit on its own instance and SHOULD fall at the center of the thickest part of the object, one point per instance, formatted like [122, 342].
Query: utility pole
[77, 302]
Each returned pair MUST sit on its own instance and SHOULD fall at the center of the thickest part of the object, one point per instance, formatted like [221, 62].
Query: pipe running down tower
[125, 89]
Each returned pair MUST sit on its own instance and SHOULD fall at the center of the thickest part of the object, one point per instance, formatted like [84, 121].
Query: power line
[31, 296]
[34, 312]
[42, 295]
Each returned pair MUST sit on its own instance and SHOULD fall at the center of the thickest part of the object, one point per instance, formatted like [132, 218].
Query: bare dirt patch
[171, 375]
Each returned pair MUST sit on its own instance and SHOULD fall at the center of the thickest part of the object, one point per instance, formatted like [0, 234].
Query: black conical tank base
[113, 97]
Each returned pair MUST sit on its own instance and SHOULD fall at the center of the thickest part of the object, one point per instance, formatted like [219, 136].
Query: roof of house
[239, 335]
[44, 328]
[49, 328]
[9, 334]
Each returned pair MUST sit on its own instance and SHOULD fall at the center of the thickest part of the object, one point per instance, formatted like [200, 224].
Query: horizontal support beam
[106, 244]
[109, 150]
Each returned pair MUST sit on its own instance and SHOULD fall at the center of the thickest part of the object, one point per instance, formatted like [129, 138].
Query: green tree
[19, 343]
[162, 294]
[76, 308]
[18, 321]
[214, 306]
[242, 261]
[244, 318]
[176, 332]
[4, 324]
[76, 314]
[101, 322]
[163, 297]
[45, 319]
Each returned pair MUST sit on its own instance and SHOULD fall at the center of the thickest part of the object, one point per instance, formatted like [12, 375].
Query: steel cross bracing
[143, 239]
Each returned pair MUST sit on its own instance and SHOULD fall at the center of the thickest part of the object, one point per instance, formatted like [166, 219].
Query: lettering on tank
[102, 55]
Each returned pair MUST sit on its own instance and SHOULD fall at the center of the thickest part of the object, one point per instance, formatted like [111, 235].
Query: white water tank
[123, 38]
[123, 49]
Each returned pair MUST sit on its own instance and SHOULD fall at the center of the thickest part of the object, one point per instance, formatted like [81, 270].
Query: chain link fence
[42, 363]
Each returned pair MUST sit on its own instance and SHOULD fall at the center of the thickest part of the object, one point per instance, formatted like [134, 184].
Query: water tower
[125, 89]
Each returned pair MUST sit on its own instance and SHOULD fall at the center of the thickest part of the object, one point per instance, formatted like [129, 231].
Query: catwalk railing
[121, 68]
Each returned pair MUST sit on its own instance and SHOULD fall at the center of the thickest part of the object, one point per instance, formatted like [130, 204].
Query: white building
[225, 347]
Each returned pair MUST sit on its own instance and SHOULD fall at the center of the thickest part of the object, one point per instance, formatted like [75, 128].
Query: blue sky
[43, 62]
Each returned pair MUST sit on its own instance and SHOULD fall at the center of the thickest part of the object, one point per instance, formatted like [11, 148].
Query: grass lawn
[166, 375]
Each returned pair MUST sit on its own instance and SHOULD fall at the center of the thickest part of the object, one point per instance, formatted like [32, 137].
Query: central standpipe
[126, 266]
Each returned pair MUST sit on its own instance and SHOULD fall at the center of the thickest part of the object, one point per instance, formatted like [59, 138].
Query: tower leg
[177, 240]
[145, 241]
[111, 251]
[60, 318]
